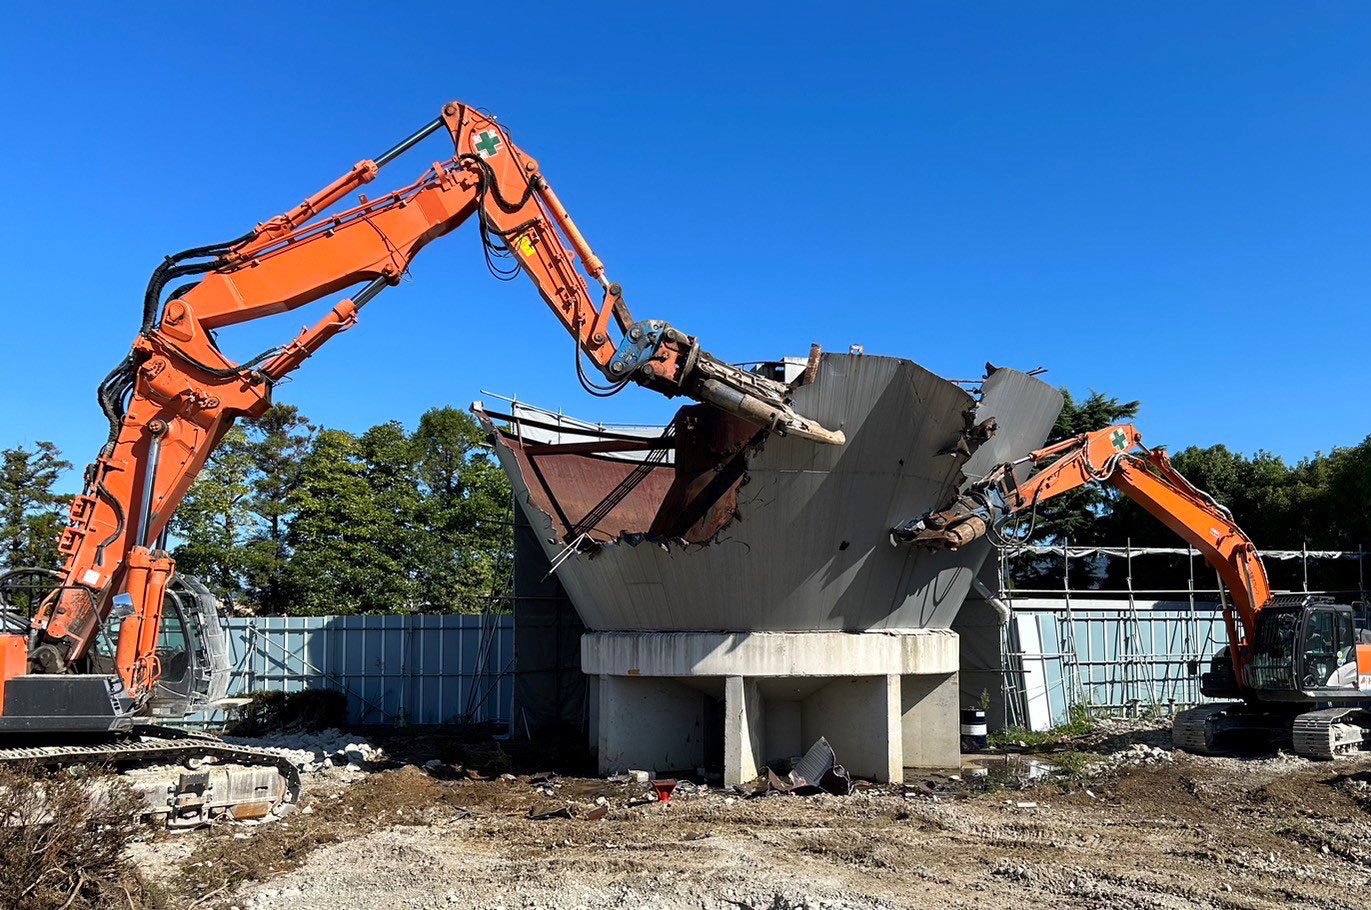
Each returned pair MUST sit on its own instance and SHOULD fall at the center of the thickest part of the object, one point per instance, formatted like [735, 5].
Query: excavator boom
[170, 401]
[1114, 455]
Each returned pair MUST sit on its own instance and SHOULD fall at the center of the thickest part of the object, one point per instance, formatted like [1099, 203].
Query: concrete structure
[741, 591]
[884, 700]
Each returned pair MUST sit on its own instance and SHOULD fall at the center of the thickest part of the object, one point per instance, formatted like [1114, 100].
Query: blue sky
[1160, 201]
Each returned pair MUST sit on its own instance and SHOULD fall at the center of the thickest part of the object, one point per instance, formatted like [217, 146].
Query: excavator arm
[170, 401]
[1116, 456]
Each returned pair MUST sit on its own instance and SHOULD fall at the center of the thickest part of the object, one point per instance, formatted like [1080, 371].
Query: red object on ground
[664, 788]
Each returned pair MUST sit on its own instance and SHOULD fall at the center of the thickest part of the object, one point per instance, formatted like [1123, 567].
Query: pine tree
[466, 511]
[333, 512]
[215, 519]
[279, 440]
[31, 513]
[394, 547]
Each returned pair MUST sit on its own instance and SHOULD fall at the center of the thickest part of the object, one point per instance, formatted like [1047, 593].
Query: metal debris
[774, 782]
[544, 812]
[820, 769]
[817, 771]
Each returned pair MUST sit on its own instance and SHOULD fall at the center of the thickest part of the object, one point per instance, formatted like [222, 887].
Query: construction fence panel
[1106, 654]
[1125, 649]
[395, 670]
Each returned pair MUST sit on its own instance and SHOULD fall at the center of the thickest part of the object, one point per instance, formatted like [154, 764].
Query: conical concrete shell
[800, 540]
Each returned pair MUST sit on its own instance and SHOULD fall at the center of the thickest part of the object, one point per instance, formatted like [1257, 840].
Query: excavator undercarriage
[1304, 691]
[1323, 733]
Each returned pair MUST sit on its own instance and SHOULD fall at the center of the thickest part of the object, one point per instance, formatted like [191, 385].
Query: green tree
[1073, 517]
[289, 520]
[31, 513]
[393, 550]
[331, 507]
[1344, 508]
[1263, 492]
[279, 440]
[215, 519]
[353, 537]
[468, 544]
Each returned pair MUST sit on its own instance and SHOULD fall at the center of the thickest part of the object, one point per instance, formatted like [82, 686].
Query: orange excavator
[1298, 663]
[172, 398]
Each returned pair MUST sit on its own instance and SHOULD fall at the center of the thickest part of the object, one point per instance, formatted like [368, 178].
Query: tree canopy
[291, 518]
[32, 513]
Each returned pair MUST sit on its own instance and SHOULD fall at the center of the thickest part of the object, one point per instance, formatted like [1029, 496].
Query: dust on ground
[1131, 824]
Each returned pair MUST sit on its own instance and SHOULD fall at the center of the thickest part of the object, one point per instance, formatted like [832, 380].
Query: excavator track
[1210, 729]
[239, 782]
[1194, 730]
[1331, 732]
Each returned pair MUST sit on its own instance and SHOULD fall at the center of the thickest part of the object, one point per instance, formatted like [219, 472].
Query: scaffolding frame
[1149, 678]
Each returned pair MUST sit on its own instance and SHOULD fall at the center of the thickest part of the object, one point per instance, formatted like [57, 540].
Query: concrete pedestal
[667, 701]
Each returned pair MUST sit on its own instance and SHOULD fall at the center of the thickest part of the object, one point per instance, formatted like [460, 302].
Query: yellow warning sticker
[525, 245]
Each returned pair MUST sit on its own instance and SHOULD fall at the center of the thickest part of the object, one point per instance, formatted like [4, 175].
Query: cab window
[171, 637]
[1347, 638]
[1320, 648]
[1319, 636]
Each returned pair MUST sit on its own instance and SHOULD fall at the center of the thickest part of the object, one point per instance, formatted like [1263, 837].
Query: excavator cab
[1305, 648]
[1329, 649]
[190, 652]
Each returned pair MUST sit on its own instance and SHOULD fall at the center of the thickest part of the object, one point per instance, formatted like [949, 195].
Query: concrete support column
[883, 700]
[744, 730]
[593, 711]
[930, 723]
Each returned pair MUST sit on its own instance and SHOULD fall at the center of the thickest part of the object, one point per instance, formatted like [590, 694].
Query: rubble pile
[313, 751]
[1139, 754]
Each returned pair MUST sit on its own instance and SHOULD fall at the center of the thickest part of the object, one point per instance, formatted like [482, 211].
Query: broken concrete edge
[584, 544]
[975, 432]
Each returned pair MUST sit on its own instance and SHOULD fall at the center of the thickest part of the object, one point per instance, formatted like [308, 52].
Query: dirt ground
[1129, 824]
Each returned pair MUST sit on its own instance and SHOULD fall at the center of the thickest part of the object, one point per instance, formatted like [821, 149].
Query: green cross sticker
[1119, 440]
[488, 144]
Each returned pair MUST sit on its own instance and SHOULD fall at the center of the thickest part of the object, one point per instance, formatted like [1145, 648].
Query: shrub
[62, 839]
[312, 709]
